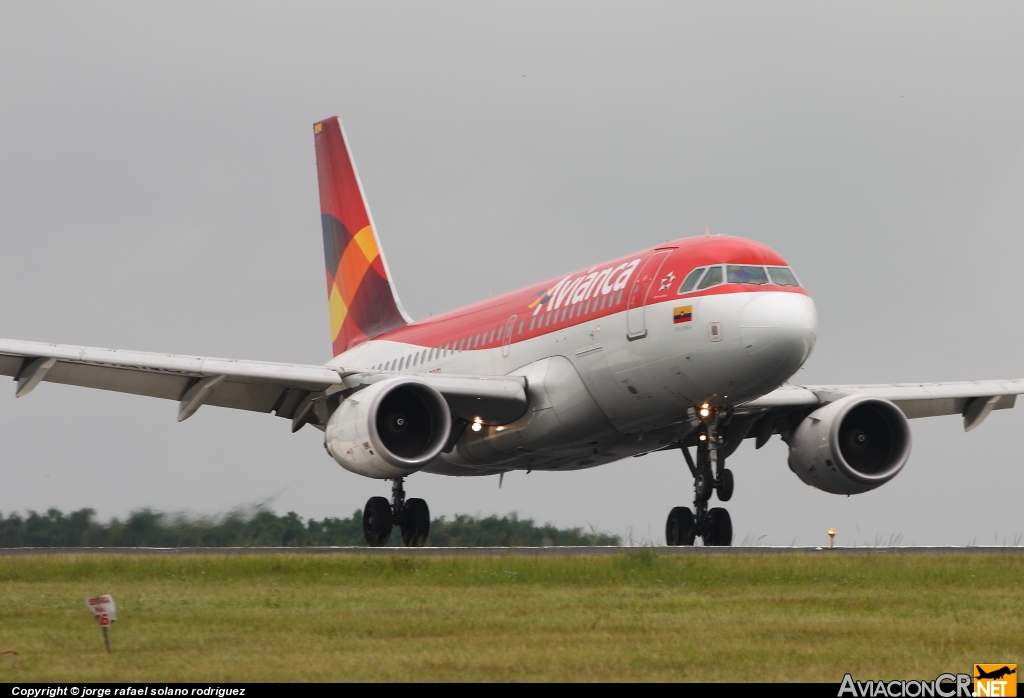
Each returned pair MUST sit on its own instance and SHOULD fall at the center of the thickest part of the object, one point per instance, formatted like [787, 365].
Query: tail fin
[361, 296]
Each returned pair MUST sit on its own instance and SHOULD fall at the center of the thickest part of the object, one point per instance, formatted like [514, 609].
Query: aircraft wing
[193, 380]
[287, 390]
[974, 400]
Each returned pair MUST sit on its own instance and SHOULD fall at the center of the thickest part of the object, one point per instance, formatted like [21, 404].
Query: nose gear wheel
[709, 473]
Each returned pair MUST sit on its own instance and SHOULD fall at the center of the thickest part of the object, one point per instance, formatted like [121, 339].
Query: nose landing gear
[713, 525]
[411, 515]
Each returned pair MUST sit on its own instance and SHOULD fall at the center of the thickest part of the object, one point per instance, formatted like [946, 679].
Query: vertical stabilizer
[361, 296]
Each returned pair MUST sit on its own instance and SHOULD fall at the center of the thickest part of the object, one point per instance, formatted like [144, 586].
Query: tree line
[148, 528]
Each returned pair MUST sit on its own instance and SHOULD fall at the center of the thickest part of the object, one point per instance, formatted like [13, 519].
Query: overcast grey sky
[158, 192]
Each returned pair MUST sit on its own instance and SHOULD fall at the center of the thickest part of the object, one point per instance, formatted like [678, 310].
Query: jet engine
[849, 446]
[389, 429]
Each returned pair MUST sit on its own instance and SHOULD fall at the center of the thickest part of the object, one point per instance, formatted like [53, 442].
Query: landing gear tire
[725, 485]
[703, 484]
[719, 528]
[681, 527]
[415, 523]
[377, 521]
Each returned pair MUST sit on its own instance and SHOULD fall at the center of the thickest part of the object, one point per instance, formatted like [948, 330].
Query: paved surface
[554, 550]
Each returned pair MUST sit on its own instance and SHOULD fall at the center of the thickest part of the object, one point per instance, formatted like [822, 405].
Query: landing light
[500, 429]
[704, 411]
[703, 437]
[477, 426]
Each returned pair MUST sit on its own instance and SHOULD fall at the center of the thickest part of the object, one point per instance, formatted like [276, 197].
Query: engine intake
[389, 429]
[852, 445]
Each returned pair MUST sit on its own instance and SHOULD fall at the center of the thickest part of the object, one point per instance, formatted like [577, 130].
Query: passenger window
[618, 298]
[501, 331]
[401, 363]
[712, 278]
[531, 324]
[746, 275]
[690, 281]
[783, 276]
[521, 323]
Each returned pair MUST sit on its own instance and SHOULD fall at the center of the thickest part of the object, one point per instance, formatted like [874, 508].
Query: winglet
[361, 296]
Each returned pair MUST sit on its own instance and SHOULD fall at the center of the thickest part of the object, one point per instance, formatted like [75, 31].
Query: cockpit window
[747, 275]
[712, 278]
[691, 280]
[783, 276]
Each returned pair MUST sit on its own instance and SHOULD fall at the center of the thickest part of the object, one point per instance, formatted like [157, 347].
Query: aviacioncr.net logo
[943, 686]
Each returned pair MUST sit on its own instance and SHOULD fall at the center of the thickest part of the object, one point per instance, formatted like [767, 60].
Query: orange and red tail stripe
[360, 295]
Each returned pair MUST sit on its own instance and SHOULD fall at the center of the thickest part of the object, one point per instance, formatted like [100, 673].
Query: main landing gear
[714, 525]
[411, 515]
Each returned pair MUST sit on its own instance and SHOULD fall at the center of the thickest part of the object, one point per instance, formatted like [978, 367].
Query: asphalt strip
[526, 551]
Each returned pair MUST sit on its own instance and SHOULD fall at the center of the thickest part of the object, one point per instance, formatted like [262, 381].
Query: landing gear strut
[411, 515]
[713, 525]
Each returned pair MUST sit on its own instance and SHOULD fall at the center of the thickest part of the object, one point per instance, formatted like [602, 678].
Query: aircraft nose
[778, 331]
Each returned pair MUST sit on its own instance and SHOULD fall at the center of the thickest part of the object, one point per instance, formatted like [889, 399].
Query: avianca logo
[571, 290]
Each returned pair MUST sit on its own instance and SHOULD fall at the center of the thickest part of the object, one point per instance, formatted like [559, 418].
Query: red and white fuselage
[614, 355]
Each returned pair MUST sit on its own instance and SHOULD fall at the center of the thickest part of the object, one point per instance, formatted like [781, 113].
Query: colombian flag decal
[682, 314]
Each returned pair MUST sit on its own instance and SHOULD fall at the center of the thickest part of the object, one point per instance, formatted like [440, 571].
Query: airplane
[995, 674]
[687, 345]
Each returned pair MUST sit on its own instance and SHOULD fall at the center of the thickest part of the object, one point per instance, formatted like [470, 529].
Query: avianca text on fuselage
[592, 285]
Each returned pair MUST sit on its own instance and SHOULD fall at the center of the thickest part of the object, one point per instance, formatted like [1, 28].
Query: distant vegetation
[148, 528]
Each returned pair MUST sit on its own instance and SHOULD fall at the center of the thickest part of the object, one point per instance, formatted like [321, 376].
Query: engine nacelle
[852, 445]
[389, 429]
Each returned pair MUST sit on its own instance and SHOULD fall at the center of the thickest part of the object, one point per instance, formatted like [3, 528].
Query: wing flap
[121, 380]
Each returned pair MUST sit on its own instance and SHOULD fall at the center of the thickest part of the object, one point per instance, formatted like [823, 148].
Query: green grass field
[635, 616]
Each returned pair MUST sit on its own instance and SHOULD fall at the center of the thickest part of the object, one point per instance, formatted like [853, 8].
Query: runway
[529, 551]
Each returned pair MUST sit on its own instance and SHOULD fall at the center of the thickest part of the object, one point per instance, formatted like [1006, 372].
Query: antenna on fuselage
[707, 230]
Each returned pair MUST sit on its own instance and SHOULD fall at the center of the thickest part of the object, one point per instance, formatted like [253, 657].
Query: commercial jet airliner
[684, 346]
